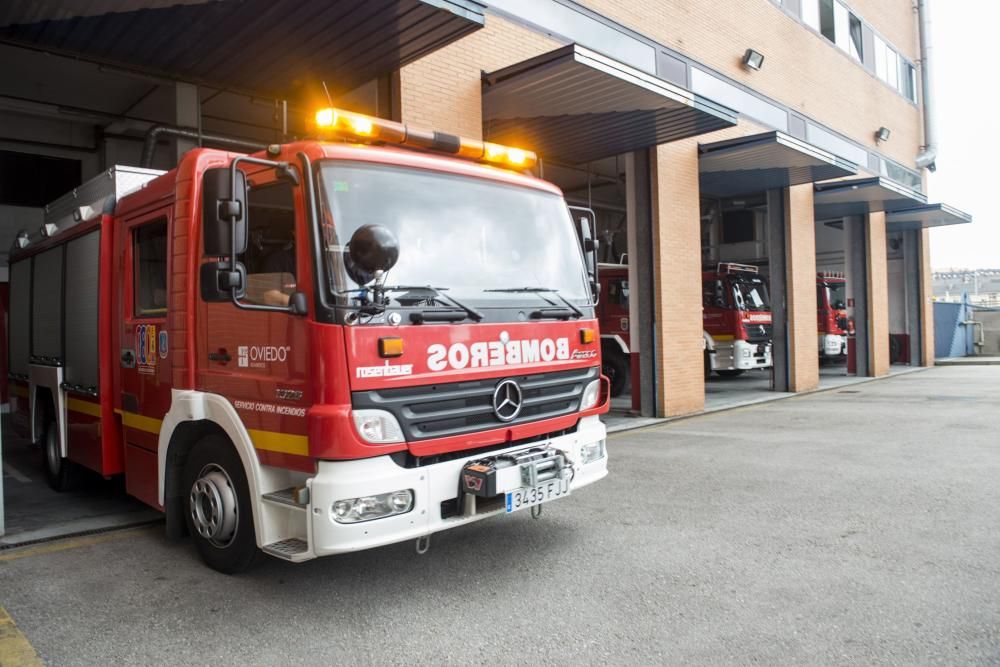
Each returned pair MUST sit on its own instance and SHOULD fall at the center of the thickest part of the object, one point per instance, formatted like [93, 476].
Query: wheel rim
[52, 454]
[214, 507]
[609, 371]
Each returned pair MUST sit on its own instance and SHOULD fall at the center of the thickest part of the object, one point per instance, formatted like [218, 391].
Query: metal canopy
[577, 105]
[859, 196]
[272, 47]
[929, 215]
[764, 162]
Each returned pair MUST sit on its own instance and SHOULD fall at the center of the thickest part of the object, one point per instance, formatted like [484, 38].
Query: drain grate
[79, 533]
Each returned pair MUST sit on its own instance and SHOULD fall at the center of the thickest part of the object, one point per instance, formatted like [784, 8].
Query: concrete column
[187, 113]
[642, 287]
[878, 295]
[926, 302]
[856, 267]
[800, 288]
[676, 239]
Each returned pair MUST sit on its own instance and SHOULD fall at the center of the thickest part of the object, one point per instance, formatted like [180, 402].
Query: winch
[494, 475]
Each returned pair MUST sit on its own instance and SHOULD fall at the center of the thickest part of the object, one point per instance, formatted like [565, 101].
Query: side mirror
[220, 209]
[297, 304]
[372, 250]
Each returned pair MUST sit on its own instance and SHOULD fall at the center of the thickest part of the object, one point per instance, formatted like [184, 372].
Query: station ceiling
[270, 47]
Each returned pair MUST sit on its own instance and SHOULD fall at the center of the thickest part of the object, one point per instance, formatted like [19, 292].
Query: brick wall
[677, 276]
[443, 90]
[800, 278]
[878, 293]
[802, 69]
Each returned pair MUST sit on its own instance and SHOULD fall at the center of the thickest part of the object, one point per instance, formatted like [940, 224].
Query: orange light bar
[390, 347]
[369, 128]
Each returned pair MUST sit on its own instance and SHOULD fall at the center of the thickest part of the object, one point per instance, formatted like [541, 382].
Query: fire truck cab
[324, 347]
[834, 325]
[736, 315]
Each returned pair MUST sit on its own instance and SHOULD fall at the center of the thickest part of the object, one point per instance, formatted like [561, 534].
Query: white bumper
[431, 485]
[740, 355]
[832, 345]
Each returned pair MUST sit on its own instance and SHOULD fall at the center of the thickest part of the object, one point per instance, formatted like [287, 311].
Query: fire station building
[792, 136]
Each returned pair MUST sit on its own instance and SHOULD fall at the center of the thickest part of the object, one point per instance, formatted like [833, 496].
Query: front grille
[758, 333]
[455, 408]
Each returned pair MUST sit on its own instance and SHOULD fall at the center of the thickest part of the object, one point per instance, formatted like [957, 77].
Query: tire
[708, 364]
[60, 473]
[895, 350]
[731, 373]
[217, 507]
[616, 368]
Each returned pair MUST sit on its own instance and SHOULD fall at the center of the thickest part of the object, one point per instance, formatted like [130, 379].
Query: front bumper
[741, 355]
[833, 345]
[431, 484]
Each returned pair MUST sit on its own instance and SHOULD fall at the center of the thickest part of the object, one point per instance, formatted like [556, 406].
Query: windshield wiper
[456, 314]
[557, 312]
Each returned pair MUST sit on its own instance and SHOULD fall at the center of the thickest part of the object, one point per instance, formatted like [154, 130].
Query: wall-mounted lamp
[882, 134]
[753, 59]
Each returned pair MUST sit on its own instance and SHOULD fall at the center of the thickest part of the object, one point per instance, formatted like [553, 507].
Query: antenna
[327, 91]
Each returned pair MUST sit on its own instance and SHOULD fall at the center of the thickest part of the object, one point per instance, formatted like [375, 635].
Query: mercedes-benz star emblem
[507, 401]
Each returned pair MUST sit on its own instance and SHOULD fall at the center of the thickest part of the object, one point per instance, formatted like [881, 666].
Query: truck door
[258, 360]
[143, 397]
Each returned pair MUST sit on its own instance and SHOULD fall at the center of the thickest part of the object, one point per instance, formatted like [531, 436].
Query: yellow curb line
[75, 543]
[15, 649]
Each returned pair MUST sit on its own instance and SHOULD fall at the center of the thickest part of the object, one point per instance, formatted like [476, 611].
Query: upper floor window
[895, 70]
[834, 21]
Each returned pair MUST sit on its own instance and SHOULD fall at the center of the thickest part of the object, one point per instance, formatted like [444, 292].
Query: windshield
[836, 295]
[468, 235]
[750, 294]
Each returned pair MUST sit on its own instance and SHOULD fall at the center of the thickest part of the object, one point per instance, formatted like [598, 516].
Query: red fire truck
[737, 320]
[613, 314]
[834, 325]
[324, 347]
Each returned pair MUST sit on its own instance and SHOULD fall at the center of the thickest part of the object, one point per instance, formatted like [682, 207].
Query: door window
[270, 256]
[149, 278]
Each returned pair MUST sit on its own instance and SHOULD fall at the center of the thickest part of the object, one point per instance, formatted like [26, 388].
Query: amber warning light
[368, 128]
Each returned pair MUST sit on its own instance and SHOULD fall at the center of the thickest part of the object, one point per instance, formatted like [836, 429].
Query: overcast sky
[968, 97]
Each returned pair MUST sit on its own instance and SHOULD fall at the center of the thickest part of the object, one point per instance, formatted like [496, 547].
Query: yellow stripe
[18, 390]
[723, 337]
[283, 443]
[85, 407]
[140, 422]
[15, 649]
[271, 441]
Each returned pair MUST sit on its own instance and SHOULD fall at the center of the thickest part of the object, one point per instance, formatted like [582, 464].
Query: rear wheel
[60, 472]
[708, 364]
[217, 506]
[615, 367]
[731, 373]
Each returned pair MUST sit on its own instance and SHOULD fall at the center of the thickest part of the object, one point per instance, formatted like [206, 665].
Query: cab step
[293, 496]
[293, 549]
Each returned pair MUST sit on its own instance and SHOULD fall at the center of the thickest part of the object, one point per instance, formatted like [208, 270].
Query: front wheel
[217, 506]
[731, 373]
[60, 472]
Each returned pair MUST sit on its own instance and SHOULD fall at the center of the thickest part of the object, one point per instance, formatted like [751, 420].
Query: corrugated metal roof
[858, 196]
[577, 105]
[763, 162]
[929, 215]
[273, 47]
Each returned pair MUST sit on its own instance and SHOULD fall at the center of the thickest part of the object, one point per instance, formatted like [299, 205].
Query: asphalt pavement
[856, 526]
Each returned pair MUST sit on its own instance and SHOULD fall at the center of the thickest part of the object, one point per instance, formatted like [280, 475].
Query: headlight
[591, 452]
[367, 508]
[590, 395]
[377, 426]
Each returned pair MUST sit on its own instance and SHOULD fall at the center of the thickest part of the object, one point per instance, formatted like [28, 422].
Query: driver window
[270, 255]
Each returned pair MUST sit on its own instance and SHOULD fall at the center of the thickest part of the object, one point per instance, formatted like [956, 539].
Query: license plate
[530, 496]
